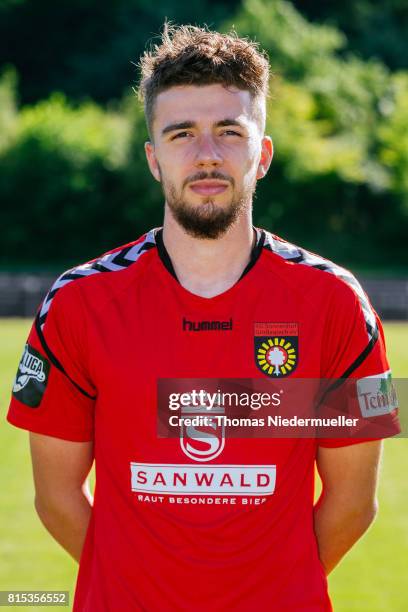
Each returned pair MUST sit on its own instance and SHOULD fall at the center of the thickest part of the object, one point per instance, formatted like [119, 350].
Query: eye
[230, 133]
[181, 135]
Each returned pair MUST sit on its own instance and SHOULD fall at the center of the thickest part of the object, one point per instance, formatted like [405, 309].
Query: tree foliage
[74, 181]
[85, 48]
[338, 169]
[373, 29]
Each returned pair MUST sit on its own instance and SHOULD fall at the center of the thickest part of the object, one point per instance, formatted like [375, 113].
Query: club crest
[276, 348]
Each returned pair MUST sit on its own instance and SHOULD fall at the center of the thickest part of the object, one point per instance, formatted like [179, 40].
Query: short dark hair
[190, 55]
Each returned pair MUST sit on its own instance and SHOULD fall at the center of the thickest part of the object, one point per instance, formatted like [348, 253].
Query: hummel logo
[197, 326]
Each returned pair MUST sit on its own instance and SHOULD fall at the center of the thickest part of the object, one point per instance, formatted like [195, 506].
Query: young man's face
[208, 152]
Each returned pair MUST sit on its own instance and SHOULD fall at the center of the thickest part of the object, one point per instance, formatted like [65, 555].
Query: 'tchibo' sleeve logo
[32, 377]
[276, 348]
[376, 395]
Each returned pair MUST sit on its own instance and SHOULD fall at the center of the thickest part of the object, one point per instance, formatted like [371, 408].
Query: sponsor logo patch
[376, 395]
[276, 348]
[184, 479]
[156, 482]
[32, 377]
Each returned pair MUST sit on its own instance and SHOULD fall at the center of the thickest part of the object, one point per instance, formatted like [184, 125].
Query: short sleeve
[354, 350]
[53, 393]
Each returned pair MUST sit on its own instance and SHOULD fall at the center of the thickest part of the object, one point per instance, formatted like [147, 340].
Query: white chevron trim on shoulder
[111, 262]
[295, 254]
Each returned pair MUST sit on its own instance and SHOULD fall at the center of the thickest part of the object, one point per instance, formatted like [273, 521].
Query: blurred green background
[73, 178]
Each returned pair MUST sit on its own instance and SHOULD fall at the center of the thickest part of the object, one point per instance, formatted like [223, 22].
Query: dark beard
[211, 225]
[206, 220]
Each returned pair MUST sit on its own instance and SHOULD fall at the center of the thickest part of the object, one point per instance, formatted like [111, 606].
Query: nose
[208, 153]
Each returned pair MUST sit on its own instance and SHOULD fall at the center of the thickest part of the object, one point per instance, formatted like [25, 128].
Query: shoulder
[318, 276]
[93, 275]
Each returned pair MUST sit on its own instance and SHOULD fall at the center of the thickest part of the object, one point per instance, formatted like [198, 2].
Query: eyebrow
[185, 125]
[227, 122]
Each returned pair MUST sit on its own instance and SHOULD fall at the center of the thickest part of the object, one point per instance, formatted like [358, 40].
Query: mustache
[202, 176]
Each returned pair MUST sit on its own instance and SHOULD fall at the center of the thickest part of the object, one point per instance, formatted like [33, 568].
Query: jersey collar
[166, 261]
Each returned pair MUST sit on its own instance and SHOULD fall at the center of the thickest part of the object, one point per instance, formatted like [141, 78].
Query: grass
[370, 579]
[29, 558]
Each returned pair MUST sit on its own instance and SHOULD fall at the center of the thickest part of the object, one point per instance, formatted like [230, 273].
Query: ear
[266, 157]
[152, 161]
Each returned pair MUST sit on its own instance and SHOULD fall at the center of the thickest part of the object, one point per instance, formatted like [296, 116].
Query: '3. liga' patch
[32, 377]
[276, 348]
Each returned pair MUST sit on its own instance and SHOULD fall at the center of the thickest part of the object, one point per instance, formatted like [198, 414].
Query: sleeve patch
[376, 395]
[32, 377]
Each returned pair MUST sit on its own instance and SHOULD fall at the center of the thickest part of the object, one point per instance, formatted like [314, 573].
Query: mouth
[207, 188]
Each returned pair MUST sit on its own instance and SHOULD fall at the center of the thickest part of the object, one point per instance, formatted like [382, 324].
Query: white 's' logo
[203, 443]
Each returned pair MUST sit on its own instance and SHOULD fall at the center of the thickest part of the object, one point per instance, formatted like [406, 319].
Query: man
[184, 523]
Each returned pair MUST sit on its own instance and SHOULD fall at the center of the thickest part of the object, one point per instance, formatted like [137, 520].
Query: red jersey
[179, 523]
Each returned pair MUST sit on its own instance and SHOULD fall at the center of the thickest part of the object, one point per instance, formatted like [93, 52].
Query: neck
[209, 267]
